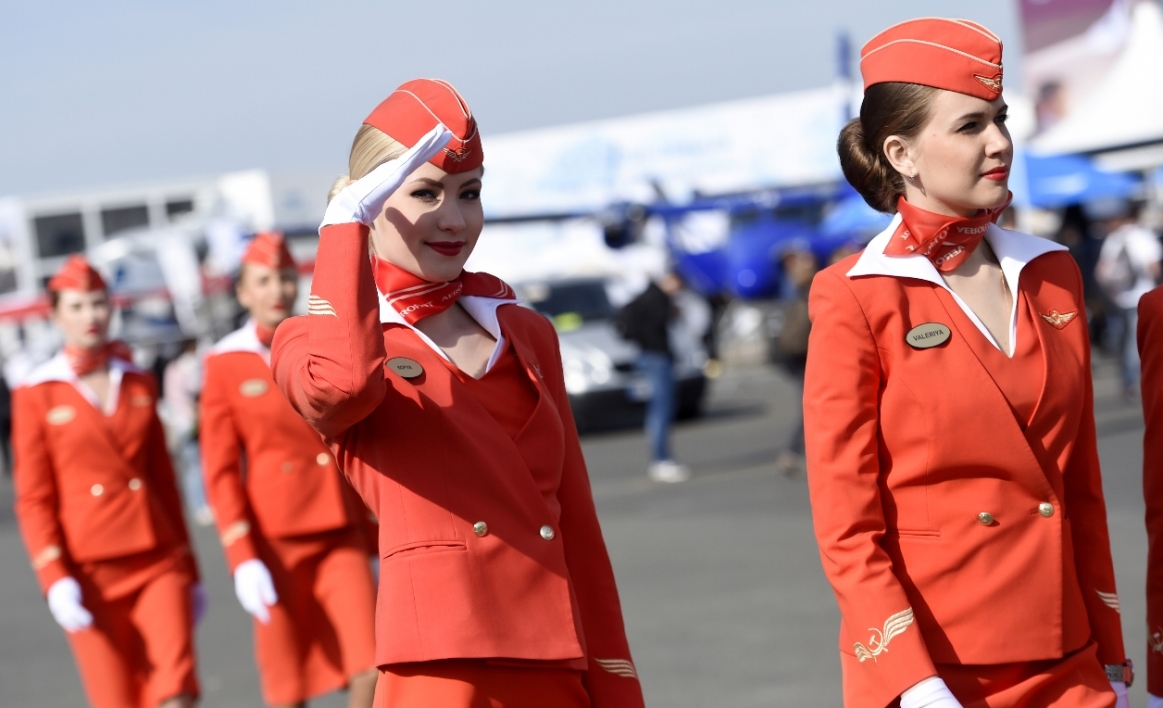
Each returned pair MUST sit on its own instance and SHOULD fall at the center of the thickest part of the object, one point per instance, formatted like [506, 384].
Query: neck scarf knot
[415, 298]
[945, 240]
[85, 361]
[265, 336]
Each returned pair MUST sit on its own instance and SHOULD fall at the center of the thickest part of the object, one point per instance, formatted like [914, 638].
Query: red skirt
[475, 683]
[1074, 681]
[322, 629]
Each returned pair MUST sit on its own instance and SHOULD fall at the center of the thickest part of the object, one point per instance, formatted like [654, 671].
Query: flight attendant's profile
[444, 403]
[952, 460]
[292, 528]
[99, 510]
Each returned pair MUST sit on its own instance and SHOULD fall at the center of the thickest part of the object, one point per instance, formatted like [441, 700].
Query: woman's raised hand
[362, 200]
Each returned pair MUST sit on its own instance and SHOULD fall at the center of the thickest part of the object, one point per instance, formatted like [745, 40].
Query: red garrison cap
[76, 274]
[414, 109]
[955, 55]
[269, 248]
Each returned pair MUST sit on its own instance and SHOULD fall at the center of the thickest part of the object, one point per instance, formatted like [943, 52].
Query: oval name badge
[928, 335]
[253, 388]
[60, 415]
[406, 368]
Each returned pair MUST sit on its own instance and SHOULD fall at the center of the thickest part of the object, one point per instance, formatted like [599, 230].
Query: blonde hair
[371, 148]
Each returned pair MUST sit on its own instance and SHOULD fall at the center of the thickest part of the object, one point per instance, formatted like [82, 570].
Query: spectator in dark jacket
[645, 321]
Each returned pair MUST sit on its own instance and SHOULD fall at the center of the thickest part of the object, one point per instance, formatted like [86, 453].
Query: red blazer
[1151, 353]
[291, 485]
[908, 447]
[91, 487]
[490, 547]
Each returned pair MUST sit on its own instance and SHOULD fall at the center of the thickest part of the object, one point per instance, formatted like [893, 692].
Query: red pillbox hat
[955, 55]
[415, 108]
[76, 274]
[269, 248]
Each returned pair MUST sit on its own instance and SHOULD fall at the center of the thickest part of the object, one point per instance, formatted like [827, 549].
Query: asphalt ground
[723, 595]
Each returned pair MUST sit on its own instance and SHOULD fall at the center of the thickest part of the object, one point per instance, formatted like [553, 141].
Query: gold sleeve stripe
[48, 555]
[234, 532]
[1109, 599]
[618, 667]
[318, 306]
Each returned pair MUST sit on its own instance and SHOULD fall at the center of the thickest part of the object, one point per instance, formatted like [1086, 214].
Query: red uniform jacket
[1151, 353]
[907, 448]
[490, 546]
[91, 486]
[263, 464]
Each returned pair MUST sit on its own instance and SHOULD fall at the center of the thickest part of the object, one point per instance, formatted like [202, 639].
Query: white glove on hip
[363, 200]
[1154, 701]
[1120, 689]
[254, 588]
[198, 602]
[64, 602]
[930, 693]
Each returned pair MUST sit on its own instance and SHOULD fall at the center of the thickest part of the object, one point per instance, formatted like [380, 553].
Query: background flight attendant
[1150, 342]
[292, 527]
[445, 405]
[99, 510]
[952, 460]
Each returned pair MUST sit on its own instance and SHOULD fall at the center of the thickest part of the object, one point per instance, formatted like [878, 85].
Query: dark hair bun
[890, 108]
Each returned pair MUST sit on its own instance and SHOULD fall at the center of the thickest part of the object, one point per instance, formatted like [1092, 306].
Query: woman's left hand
[1120, 690]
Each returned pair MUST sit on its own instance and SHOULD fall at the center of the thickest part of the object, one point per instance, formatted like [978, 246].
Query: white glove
[1121, 691]
[930, 693]
[363, 200]
[198, 601]
[254, 588]
[64, 602]
[1154, 701]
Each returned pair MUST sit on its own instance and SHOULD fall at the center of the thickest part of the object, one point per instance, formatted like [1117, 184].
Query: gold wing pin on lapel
[879, 639]
[1060, 319]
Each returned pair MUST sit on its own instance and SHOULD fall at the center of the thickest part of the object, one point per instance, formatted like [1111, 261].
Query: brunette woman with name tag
[952, 461]
[444, 404]
[99, 510]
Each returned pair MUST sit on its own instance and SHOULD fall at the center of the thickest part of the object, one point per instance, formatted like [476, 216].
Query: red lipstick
[446, 248]
[997, 174]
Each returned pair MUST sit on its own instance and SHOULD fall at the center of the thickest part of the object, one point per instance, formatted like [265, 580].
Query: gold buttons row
[480, 528]
[1046, 509]
[99, 489]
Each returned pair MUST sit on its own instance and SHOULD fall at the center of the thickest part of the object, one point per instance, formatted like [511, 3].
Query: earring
[913, 175]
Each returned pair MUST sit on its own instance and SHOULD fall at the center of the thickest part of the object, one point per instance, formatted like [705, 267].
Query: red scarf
[85, 361]
[415, 298]
[945, 240]
[265, 336]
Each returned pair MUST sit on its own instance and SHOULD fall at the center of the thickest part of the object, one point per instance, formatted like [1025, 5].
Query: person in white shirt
[1128, 267]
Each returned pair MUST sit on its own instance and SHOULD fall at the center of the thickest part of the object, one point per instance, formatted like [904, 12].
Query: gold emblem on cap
[406, 368]
[458, 155]
[928, 335]
[991, 84]
[253, 388]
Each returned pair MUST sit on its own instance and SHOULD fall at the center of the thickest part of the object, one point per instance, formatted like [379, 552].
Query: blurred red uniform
[96, 500]
[279, 497]
[1150, 339]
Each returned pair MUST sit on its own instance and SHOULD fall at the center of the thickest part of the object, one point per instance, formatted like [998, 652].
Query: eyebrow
[981, 114]
[438, 183]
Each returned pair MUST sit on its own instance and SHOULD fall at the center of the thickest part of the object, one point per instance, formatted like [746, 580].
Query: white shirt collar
[58, 369]
[1013, 250]
[243, 339]
[481, 309]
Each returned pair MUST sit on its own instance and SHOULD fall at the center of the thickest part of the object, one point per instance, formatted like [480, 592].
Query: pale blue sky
[126, 91]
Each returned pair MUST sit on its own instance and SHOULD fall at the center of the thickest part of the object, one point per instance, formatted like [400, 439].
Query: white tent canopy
[1127, 107]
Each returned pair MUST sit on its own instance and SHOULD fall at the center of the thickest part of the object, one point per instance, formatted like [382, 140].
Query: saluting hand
[255, 589]
[363, 200]
[64, 602]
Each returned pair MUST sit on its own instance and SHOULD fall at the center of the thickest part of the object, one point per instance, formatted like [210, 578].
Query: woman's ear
[900, 155]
